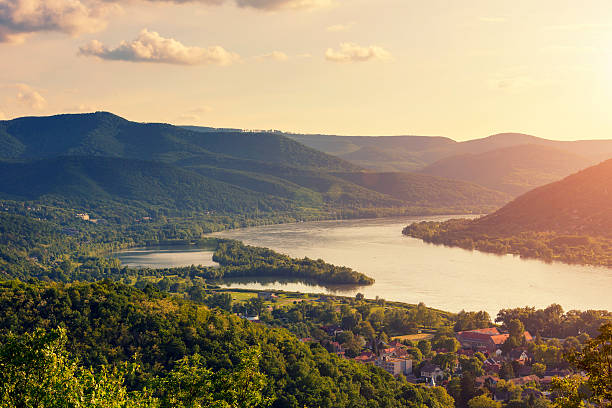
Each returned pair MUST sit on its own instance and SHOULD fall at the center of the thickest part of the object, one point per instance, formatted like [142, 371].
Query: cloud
[20, 18]
[350, 52]
[29, 97]
[340, 27]
[493, 19]
[149, 46]
[271, 5]
[274, 55]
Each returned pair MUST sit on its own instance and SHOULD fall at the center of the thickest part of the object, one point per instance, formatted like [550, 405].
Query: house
[489, 339]
[525, 380]
[395, 366]
[432, 373]
[492, 365]
[83, 216]
[332, 330]
[366, 357]
[519, 355]
[336, 348]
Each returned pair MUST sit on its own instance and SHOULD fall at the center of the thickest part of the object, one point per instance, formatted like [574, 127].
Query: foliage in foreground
[110, 324]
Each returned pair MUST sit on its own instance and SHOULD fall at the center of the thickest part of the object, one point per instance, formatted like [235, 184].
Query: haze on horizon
[360, 67]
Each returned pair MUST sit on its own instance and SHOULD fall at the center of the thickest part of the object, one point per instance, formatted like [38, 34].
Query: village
[504, 364]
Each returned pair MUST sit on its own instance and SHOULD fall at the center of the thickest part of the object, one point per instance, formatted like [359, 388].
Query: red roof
[500, 338]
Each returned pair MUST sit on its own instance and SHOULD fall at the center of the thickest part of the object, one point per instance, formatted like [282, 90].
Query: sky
[461, 69]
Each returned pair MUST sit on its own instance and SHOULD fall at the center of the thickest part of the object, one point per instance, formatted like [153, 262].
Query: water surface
[166, 256]
[409, 270]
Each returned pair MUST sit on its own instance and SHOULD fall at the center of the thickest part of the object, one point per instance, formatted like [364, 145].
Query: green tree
[596, 359]
[483, 401]
[538, 369]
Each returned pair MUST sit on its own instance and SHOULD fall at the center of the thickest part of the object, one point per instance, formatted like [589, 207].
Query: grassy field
[414, 337]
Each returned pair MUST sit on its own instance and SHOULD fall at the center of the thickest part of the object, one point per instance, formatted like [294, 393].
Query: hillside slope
[514, 169]
[569, 221]
[416, 153]
[421, 190]
[92, 179]
[579, 204]
[105, 134]
[177, 170]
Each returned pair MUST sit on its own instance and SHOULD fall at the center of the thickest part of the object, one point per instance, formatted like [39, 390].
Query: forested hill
[514, 169]
[176, 342]
[101, 163]
[78, 179]
[579, 204]
[569, 220]
[105, 134]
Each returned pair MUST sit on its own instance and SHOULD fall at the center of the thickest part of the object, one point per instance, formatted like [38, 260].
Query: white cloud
[350, 52]
[274, 55]
[340, 27]
[29, 97]
[149, 46]
[283, 4]
[20, 18]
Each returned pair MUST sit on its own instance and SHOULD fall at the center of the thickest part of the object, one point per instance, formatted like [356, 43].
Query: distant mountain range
[509, 162]
[101, 160]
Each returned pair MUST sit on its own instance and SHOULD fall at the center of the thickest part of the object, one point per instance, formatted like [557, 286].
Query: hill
[508, 162]
[105, 134]
[578, 204]
[568, 220]
[83, 160]
[94, 179]
[419, 189]
[514, 169]
[176, 343]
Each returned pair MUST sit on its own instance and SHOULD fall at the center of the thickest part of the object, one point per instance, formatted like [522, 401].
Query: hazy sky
[462, 69]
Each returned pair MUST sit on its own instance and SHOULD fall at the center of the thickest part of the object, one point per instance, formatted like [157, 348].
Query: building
[395, 366]
[489, 339]
[432, 373]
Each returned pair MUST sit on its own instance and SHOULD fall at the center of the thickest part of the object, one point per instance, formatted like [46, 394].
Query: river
[409, 270]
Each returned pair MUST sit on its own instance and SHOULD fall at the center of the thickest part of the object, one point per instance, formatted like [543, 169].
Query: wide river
[409, 270]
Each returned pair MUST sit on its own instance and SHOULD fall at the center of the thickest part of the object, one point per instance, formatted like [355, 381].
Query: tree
[596, 359]
[506, 372]
[538, 369]
[36, 371]
[483, 401]
[468, 388]
[425, 347]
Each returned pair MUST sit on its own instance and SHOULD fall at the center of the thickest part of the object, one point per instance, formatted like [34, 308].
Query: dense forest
[109, 323]
[122, 171]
